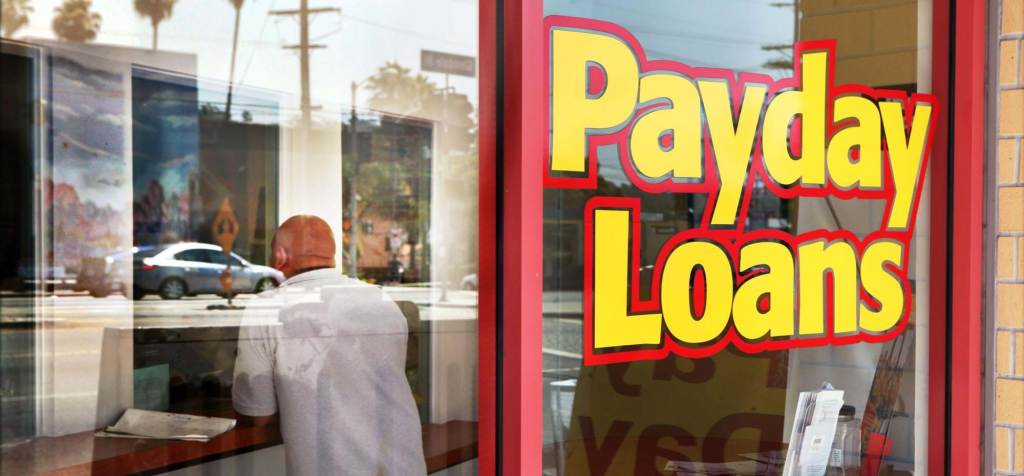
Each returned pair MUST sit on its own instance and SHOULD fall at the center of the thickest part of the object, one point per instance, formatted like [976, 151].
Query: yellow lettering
[865, 136]
[905, 156]
[676, 294]
[881, 285]
[613, 326]
[815, 258]
[680, 119]
[732, 142]
[809, 103]
[573, 111]
[776, 283]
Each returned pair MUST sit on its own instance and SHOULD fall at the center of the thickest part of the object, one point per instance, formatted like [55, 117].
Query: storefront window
[723, 409]
[240, 210]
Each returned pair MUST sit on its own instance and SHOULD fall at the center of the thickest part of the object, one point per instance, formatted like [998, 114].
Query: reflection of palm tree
[395, 89]
[73, 21]
[13, 16]
[234, 51]
[157, 11]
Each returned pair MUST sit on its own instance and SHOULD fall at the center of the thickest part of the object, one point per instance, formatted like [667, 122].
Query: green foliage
[14, 16]
[157, 11]
[75, 21]
[427, 136]
[397, 91]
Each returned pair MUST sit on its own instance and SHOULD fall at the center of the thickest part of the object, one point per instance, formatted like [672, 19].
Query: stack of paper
[167, 426]
[814, 428]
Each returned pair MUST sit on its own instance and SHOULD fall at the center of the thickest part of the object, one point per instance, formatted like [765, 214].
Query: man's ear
[280, 258]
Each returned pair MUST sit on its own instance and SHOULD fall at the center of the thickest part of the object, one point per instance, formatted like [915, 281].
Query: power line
[304, 47]
[263, 27]
[394, 29]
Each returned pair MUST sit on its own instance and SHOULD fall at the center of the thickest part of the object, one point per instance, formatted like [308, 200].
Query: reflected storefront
[558, 237]
[158, 149]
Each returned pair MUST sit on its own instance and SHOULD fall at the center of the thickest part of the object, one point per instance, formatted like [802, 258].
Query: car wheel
[96, 293]
[138, 294]
[264, 285]
[173, 288]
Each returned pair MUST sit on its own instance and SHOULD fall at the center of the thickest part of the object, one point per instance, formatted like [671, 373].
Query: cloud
[109, 118]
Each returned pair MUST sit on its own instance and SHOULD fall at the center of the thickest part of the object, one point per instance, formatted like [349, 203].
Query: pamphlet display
[810, 442]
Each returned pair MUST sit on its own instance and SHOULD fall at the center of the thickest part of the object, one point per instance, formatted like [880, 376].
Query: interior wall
[309, 179]
[883, 44]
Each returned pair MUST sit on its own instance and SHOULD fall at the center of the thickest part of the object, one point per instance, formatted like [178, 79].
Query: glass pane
[330, 147]
[668, 405]
[198, 256]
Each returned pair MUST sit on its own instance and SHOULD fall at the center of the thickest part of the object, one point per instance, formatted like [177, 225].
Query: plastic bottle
[844, 459]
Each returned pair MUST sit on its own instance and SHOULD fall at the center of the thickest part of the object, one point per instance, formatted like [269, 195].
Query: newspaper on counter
[137, 423]
[810, 442]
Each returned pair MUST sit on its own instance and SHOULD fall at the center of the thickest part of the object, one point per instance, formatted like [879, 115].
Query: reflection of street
[89, 343]
[75, 310]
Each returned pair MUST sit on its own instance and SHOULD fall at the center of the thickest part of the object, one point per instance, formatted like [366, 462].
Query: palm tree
[157, 11]
[13, 16]
[234, 50]
[74, 21]
[397, 90]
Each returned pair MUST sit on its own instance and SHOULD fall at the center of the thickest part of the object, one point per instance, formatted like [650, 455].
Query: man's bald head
[303, 242]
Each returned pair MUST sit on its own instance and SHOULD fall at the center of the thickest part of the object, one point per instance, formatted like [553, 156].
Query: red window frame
[512, 149]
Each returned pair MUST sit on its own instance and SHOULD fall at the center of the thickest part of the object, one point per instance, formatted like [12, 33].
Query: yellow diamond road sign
[225, 226]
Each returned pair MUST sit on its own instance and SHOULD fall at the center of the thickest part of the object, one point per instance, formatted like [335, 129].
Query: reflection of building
[391, 213]
[877, 42]
[412, 213]
[192, 158]
[165, 142]
[239, 161]
[876, 45]
[127, 158]
[82, 208]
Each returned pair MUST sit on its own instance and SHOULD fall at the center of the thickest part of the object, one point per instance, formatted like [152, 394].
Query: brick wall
[1009, 240]
[876, 39]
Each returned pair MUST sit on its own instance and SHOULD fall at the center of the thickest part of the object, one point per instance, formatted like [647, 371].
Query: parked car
[103, 275]
[175, 271]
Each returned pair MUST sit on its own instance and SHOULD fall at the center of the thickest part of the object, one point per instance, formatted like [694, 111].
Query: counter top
[444, 445]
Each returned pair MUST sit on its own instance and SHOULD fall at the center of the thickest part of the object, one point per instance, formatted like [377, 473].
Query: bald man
[326, 354]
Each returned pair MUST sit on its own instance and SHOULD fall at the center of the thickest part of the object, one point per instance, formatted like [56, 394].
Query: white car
[181, 269]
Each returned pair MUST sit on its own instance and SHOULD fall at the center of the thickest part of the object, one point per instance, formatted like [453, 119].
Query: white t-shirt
[333, 366]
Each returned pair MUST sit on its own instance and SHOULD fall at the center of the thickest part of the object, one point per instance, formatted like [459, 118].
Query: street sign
[226, 279]
[225, 230]
[447, 63]
[225, 226]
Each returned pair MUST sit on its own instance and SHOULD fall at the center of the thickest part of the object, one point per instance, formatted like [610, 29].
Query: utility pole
[304, 12]
[353, 207]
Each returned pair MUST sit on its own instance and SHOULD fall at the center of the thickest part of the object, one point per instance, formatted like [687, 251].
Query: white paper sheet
[813, 431]
[171, 426]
